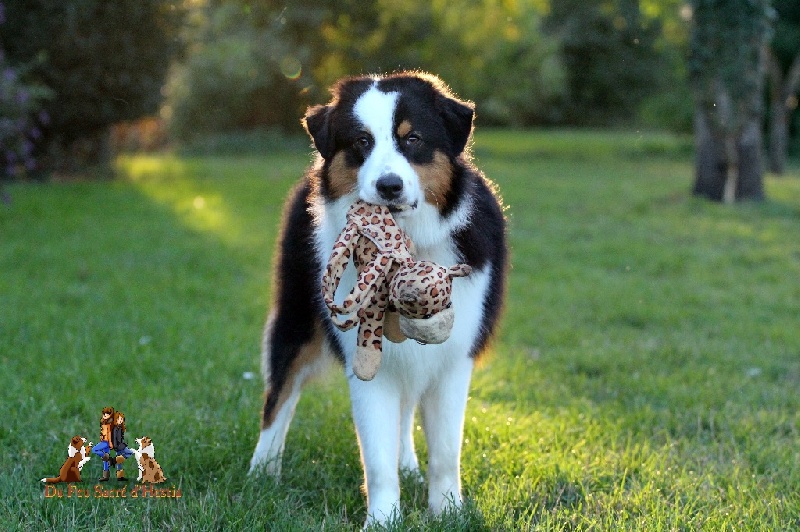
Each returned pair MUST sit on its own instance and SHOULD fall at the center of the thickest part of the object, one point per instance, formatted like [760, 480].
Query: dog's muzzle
[391, 190]
[389, 187]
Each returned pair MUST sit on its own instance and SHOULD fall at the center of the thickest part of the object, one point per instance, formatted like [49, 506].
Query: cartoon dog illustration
[149, 470]
[77, 456]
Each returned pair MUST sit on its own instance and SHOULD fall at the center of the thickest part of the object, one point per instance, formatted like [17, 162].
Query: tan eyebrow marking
[404, 128]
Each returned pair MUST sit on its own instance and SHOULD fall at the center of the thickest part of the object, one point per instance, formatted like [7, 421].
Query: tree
[104, 61]
[784, 80]
[237, 62]
[727, 66]
[612, 64]
[21, 116]
[242, 72]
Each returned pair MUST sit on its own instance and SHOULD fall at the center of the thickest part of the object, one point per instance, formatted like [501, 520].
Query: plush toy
[395, 295]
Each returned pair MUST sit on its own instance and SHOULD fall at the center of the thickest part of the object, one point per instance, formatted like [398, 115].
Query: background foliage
[103, 61]
[786, 47]
[279, 57]
[211, 67]
[611, 58]
[21, 118]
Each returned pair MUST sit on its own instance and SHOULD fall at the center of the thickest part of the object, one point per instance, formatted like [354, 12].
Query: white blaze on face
[375, 110]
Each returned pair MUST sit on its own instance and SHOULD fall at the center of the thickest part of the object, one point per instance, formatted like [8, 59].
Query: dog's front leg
[442, 408]
[376, 412]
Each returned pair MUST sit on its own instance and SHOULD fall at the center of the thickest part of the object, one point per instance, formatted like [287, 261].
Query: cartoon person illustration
[103, 447]
[118, 443]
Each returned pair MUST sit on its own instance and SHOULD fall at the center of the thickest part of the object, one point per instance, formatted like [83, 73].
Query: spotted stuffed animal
[395, 295]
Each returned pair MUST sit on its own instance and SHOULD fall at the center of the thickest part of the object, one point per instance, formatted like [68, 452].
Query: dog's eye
[363, 141]
[412, 139]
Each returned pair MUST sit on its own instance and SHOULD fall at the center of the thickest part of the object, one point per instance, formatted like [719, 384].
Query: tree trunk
[728, 167]
[782, 94]
[711, 164]
[778, 137]
[750, 182]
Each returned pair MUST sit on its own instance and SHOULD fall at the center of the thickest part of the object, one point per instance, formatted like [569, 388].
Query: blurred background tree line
[198, 68]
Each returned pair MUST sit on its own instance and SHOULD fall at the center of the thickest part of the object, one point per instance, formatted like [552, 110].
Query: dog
[77, 456]
[149, 470]
[400, 140]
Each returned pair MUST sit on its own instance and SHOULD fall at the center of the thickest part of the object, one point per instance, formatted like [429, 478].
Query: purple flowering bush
[21, 117]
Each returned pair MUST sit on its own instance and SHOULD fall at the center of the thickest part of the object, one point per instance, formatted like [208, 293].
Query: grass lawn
[646, 375]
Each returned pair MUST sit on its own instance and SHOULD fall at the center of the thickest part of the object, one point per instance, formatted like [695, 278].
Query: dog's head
[392, 140]
[144, 441]
[75, 445]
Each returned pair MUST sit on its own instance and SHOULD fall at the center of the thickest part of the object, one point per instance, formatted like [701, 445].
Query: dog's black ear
[457, 117]
[317, 123]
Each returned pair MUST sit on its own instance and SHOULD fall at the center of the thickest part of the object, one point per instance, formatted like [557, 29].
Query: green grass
[646, 375]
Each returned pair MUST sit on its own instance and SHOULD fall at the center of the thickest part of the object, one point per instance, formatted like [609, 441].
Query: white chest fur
[410, 364]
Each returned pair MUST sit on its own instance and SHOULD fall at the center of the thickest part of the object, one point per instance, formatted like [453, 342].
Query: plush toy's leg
[369, 347]
[337, 263]
[442, 407]
[367, 359]
[345, 324]
[372, 276]
[391, 327]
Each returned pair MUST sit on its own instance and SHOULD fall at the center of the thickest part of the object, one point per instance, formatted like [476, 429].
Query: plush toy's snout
[459, 270]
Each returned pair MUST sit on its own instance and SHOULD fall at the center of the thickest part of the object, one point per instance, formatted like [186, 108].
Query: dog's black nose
[389, 186]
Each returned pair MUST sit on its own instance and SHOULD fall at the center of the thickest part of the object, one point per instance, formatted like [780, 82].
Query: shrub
[105, 62]
[21, 116]
[259, 65]
[238, 76]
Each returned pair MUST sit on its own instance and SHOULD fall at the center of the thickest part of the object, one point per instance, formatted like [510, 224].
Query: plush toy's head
[421, 293]
[421, 289]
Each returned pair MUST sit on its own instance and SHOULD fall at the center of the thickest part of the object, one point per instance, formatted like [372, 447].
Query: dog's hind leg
[294, 338]
[287, 362]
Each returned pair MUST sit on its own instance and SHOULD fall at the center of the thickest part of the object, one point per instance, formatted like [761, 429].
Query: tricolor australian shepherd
[399, 140]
